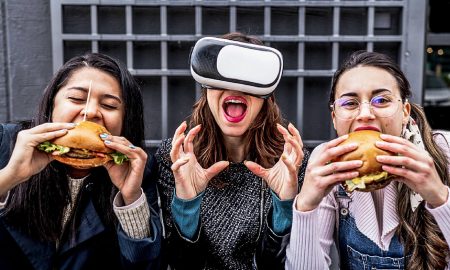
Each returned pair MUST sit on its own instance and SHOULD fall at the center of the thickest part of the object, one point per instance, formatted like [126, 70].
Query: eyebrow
[374, 92]
[86, 90]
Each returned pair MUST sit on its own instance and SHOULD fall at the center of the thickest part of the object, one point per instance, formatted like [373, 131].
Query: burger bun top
[366, 151]
[85, 135]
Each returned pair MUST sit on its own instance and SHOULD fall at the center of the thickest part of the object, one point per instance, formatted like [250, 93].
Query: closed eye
[110, 107]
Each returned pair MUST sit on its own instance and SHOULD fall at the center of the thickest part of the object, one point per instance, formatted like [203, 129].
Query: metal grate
[154, 39]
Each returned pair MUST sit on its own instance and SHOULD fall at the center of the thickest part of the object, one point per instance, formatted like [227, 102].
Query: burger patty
[81, 153]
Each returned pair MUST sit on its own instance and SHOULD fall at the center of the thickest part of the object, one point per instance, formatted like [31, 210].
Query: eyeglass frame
[331, 106]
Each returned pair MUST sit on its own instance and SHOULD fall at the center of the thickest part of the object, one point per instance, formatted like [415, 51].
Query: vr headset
[226, 64]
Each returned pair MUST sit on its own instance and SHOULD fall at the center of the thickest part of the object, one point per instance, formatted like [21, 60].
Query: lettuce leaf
[49, 147]
[119, 158]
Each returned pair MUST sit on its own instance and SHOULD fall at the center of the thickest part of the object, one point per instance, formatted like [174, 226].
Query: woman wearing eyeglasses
[403, 225]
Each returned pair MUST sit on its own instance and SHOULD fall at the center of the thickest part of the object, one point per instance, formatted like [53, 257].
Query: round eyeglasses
[381, 106]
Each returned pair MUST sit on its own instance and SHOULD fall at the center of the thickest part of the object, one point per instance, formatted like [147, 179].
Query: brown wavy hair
[418, 231]
[262, 136]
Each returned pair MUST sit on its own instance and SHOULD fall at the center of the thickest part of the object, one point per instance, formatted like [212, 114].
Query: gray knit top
[233, 219]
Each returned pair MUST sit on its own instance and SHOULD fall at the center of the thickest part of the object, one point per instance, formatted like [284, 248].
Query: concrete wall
[25, 56]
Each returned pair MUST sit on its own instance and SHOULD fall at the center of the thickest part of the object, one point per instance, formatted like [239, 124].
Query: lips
[368, 128]
[235, 108]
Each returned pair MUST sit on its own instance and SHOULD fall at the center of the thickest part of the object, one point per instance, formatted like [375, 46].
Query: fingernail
[107, 142]
[132, 146]
[103, 135]
[72, 124]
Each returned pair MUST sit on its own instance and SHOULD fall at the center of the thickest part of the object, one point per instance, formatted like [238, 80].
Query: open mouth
[235, 108]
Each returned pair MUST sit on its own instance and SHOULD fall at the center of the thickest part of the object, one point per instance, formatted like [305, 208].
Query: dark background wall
[25, 56]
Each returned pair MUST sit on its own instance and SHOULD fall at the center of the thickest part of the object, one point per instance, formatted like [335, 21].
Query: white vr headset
[227, 64]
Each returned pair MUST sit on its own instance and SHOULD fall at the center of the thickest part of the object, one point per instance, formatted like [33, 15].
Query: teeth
[234, 101]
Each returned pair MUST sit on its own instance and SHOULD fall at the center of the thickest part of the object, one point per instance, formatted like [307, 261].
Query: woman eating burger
[72, 206]
[396, 222]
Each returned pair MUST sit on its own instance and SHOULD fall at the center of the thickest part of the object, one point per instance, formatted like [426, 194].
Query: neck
[78, 173]
[236, 149]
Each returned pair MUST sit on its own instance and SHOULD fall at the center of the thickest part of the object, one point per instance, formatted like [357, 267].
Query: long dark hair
[36, 206]
[418, 230]
[262, 136]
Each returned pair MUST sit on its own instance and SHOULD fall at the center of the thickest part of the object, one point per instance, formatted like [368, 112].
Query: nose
[91, 111]
[365, 111]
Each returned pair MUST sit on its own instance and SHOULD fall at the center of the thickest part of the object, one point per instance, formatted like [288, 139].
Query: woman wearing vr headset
[402, 225]
[227, 185]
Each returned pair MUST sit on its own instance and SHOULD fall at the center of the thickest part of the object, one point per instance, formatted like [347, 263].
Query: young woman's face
[105, 102]
[233, 111]
[364, 83]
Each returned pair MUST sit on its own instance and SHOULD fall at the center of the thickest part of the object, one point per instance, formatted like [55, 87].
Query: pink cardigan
[312, 232]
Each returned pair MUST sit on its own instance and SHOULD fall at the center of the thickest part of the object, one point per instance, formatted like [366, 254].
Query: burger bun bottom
[79, 163]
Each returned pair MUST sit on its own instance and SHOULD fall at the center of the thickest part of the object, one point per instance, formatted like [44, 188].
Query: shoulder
[442, 139]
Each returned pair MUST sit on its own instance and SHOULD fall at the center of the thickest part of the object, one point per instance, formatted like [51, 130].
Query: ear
[333, 118]
[406, 112]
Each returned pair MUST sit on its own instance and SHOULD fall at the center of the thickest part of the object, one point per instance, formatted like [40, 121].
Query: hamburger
[82, 147]
[371, 176]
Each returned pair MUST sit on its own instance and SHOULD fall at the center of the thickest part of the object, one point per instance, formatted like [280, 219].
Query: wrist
[303, 206]
[440, 199]
[129, 198]
[185, 193]
[9, 179]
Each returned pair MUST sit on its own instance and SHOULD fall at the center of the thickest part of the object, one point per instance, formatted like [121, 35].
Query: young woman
[58, 217]
[227, 185]
[403, 225]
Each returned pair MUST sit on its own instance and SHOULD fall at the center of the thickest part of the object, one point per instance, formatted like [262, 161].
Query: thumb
[216, 168]
[257, 169]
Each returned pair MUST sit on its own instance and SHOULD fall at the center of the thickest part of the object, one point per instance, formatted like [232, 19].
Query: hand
[322, 174]
[128, 176]
[190, 178]
[282, 177]
[26, 160]
[416, 168]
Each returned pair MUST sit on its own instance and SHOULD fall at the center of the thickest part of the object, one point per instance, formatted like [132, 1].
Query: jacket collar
[41, 254]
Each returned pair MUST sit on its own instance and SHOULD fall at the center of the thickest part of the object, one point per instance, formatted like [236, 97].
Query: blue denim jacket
[95, 246]
[357, 251]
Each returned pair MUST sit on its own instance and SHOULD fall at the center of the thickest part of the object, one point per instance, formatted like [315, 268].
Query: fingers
[177, 148]
[336, 167]
[45, 132]
[292, 142]
[216, 168]
[178, 163]
[332, 150]
[400, 161]
[49, 127]
[290, 165]
[180, 130]
[257, 169]
[188, 140]
[336, 178]
[124, 146]
[402, 172]
[296, 134]
[398, 145]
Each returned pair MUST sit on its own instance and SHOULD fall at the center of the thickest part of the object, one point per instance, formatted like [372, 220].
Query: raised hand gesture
[190, 177]
[282, 177]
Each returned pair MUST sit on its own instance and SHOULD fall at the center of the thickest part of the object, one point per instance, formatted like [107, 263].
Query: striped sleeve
[133, 218]
[311, 237]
